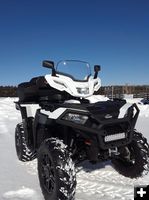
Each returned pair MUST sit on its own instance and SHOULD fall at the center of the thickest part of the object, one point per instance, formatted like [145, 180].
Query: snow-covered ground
[19, 181]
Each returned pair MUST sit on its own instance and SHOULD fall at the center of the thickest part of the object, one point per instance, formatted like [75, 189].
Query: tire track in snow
[23, 193]
[105, 184]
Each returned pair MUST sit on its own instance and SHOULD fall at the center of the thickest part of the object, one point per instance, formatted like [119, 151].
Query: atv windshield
[77, 70]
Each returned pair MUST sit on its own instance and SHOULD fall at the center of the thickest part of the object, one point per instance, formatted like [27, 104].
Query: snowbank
[19, 181]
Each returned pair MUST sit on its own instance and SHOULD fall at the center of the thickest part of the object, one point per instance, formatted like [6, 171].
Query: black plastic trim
[99, 129]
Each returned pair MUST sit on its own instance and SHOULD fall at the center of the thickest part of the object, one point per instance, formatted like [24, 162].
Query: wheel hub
[127, 155]
[46, 171]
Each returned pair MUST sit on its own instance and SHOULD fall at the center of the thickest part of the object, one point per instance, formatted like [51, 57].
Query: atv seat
[37, 90]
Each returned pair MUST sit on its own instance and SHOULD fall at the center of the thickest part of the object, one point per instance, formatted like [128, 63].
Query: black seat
[27, 91]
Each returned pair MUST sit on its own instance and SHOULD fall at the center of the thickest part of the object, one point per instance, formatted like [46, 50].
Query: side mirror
[49, 64]
[97, 68]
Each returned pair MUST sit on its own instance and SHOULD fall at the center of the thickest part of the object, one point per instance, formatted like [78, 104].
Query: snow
[19, 181]
[24, 193]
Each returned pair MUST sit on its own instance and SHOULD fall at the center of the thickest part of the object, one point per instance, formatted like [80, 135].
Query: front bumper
[97, 130]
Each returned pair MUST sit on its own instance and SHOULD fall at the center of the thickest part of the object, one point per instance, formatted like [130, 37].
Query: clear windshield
[78, 70]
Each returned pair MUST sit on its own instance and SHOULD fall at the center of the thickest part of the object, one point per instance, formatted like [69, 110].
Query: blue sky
[112, 33]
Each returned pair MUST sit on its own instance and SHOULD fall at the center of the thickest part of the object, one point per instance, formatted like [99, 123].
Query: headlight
[83, 90]
[76, 118]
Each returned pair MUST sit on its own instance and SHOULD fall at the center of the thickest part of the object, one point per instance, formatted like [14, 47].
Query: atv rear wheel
[133, 162]
[56, 171]
[24, 153]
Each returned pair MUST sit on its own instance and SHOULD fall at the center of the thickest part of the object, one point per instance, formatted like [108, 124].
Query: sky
[112, 33]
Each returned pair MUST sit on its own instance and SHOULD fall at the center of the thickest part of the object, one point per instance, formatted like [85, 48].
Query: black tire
[134, 162]
[23, 152]
[56, 171]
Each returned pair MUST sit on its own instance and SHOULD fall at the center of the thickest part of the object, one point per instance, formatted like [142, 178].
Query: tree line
[11, 91]
[8, 91]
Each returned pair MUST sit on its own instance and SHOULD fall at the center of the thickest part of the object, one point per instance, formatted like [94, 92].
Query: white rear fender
[31, 109]
[123, 110]
[97, 98]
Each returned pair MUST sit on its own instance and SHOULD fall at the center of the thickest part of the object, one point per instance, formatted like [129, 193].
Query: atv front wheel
[133, 162]
[56, 171]
[24, 153]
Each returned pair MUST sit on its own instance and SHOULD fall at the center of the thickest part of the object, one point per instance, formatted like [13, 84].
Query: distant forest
[117, 91]
[8, 91]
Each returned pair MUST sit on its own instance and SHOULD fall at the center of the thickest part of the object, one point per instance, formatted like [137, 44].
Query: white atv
[64, 123]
